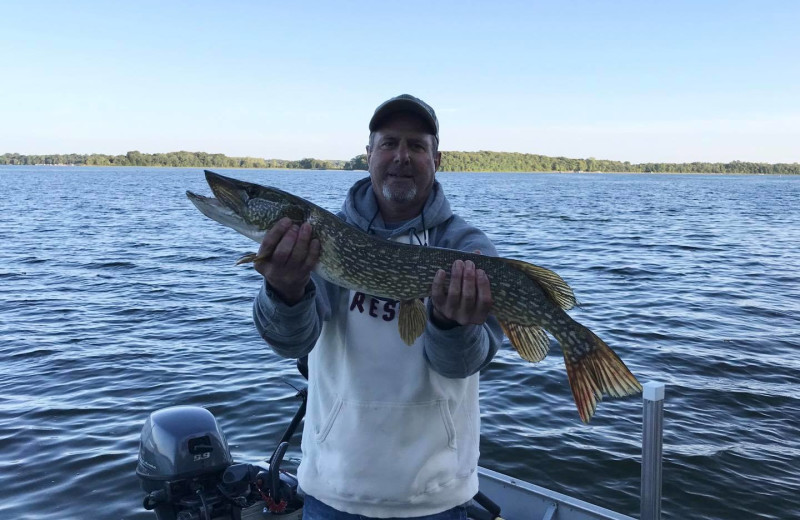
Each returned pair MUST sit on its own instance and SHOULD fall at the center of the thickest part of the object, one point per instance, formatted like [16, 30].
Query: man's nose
[401, 154]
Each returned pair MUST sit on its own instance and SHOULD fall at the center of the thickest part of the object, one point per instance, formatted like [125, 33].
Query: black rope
[413, 230]
[369, 227]
[413, 234]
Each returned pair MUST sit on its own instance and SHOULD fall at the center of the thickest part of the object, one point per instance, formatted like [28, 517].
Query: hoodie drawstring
[412, 233]
[369, 227]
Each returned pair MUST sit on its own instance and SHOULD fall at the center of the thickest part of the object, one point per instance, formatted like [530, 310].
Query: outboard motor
[182, 456]
[187, 471]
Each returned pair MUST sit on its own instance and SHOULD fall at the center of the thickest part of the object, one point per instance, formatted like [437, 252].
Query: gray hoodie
[390, 430]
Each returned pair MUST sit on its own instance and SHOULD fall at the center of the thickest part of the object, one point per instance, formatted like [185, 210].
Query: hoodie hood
[361, 209]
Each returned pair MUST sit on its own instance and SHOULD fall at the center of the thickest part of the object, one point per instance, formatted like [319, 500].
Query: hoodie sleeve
[291, 331]
[462, 350]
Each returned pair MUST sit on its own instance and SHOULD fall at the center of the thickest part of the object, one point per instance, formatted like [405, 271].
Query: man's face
[402, 161]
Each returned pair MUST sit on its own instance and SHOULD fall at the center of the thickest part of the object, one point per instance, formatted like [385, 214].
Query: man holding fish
[391, 430]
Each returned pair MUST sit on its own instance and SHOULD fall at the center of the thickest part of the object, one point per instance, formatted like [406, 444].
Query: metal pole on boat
[652, 433]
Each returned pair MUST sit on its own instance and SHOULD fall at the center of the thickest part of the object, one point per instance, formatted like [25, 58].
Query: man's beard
[399, 194]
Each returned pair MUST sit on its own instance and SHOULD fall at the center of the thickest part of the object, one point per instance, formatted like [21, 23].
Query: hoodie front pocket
[414, 444]
[322, 434]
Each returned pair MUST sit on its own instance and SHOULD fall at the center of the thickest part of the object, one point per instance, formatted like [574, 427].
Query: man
[390, 430]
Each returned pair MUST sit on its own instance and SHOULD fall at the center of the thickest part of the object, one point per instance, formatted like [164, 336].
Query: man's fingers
[438, 292]
[283, 251]
[313, 255]
[468, 288]
[302, 245]
[273, 237]
[483, 304]
[456, 276]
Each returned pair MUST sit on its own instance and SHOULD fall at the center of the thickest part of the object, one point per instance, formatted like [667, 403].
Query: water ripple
[106, 316]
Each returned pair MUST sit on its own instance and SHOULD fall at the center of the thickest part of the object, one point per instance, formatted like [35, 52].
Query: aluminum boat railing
[521, 500]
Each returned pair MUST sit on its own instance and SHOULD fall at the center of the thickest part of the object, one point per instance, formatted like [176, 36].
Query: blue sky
[639, 81]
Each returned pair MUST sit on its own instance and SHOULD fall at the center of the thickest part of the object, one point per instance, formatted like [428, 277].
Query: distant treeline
[519, 162]
[523, 162]
[171, 159]
[451, 162]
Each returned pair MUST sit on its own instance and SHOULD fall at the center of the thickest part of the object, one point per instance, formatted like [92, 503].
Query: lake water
[117, 297]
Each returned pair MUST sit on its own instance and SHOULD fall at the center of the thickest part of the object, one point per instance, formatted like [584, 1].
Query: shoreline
[451, 161]
[88, 166]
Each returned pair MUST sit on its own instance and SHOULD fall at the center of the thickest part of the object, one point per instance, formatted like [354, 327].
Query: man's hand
[288, 256]
[467, 299]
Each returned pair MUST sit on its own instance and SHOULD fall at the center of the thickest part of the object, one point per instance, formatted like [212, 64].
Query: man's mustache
[402, 172]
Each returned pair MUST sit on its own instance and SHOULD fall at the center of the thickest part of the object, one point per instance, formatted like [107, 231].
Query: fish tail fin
[594, 371]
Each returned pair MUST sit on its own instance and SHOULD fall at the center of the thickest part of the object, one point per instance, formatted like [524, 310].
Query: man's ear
[369, 152]
[437, 159]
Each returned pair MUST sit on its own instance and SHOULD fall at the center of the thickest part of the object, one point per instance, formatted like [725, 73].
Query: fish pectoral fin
[595, 372]
[531, 342]
[250, 258]
[553, 285]
[411, 320]
[253, 258]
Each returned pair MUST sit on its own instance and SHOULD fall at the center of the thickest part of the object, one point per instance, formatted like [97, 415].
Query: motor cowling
[182, 456]
[181, 442]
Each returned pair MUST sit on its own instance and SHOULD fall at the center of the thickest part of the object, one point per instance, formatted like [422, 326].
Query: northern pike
[527, 299]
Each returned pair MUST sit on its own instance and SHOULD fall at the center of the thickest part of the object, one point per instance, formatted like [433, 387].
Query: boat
[186, 470]
[513, 500]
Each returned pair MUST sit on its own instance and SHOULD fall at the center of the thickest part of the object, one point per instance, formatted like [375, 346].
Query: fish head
[251, 209]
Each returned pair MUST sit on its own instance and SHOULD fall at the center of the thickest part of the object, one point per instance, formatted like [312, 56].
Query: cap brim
[402, 105]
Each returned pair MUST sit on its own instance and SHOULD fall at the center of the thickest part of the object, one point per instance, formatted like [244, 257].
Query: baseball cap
[405, 103]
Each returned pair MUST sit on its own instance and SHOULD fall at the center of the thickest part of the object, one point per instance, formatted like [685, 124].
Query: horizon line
[359, 155]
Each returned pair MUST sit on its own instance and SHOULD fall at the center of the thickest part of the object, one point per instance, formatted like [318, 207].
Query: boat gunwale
[567, 507]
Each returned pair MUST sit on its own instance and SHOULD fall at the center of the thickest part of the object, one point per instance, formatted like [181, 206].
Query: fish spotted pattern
[527, 299]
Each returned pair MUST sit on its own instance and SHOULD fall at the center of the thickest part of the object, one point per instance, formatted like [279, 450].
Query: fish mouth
[210, 207]
[229, 192]
[216, 210]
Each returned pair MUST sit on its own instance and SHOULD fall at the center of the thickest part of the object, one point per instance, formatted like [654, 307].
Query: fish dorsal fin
[553, 285]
